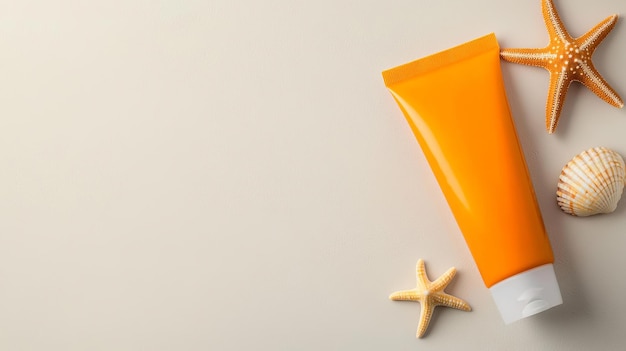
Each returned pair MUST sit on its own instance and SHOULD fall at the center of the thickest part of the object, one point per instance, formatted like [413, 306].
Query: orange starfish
[430, 295]
[567, 59]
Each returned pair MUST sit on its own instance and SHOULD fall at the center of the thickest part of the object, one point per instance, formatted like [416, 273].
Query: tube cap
[527, 293]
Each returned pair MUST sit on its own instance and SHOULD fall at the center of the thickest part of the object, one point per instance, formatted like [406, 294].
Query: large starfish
[430, 295]
[567, 59]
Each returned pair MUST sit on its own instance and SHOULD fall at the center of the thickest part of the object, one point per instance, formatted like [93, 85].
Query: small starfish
[567, 59]
[430, 295]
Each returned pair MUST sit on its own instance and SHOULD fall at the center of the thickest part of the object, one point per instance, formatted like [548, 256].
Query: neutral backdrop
[233, 175]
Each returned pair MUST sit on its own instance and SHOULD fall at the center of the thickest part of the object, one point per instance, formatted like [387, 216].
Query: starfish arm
[444, 299]
[444, 280]
[422, 278]
[555, 26]
[594, 81]
[530, 57]
[425, 315]
[405, 295]
[559, 82]
[594, 37]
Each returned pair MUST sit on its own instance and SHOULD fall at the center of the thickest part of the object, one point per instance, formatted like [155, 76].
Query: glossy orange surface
[456, 104]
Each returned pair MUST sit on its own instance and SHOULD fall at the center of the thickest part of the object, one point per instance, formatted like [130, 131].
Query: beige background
[230, 175]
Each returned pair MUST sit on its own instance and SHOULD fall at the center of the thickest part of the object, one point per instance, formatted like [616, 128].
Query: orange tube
[456, 105]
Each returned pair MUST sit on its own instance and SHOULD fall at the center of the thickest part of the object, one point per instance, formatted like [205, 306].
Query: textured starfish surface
[430, 295]
[567, 59]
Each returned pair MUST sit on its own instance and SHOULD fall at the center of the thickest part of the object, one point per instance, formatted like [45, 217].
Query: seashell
[591, 183]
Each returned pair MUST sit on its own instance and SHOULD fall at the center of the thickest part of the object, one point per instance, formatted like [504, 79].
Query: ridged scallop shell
[591, 183]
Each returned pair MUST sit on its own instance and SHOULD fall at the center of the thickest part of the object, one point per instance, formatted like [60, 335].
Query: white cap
[527, 293]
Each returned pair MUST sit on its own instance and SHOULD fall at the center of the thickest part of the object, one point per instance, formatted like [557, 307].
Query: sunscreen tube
[456, 105]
